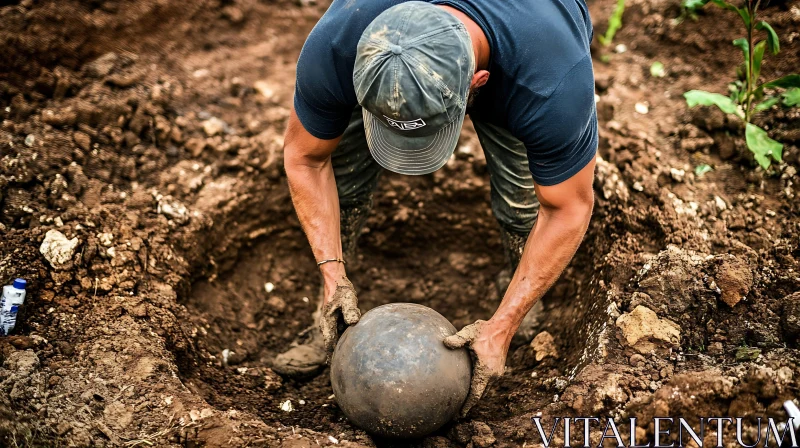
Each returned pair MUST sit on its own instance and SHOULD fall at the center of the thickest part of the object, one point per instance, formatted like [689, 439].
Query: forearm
[550, 247]
[316, 201]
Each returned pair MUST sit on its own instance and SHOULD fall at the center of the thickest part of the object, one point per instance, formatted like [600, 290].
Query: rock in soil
[790, 316]
[102, 66]
[214, 126]
[22, 362]
[642, 330]
[544, 345]
[58, 249]
[482, 435]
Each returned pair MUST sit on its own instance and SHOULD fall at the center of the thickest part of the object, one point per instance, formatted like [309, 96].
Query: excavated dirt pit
[444, 253]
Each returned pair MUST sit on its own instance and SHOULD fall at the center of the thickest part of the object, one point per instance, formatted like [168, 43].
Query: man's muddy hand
[488, 358]
[343, 306]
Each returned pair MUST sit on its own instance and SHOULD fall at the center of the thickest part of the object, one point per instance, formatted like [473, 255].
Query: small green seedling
[747, 95]
[614, 24]
[702, 169]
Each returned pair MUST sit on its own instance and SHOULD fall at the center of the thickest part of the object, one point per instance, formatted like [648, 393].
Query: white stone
[720, 203]
[264, 88]
[106, 238]
[213, 126]
[225, 354]
[610, 180]
[57, 249]
[172, 209]
[677, 174]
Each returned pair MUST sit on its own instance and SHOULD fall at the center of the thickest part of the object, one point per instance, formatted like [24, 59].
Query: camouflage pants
[514, 201]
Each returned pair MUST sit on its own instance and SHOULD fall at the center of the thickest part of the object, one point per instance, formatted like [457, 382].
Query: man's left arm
[566, 209]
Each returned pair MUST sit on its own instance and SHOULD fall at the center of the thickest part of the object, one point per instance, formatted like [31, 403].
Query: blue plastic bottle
[10, 302]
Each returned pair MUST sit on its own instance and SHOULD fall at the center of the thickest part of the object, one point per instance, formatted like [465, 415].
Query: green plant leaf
[791, 97]
[725, 5]
[762, 146]
[766, 104]
[743, 12]
[737, 89]
[745, 15]
[657, 70]
[758, 55]
[703, 98]
[745, 46]
[786, 82]
[701, 169]
[772, 36]
[614, 24]
[689, 9]
[694, 5]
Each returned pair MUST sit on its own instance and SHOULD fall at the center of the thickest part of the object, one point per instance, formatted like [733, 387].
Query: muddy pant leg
[514, 201]
[356, 174]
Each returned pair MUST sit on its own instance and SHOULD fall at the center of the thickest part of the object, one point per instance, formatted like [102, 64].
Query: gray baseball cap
[412, 76]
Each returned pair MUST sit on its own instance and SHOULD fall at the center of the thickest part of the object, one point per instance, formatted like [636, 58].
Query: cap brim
[411, 155]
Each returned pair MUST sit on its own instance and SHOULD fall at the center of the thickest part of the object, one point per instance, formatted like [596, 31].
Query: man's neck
[480, 44]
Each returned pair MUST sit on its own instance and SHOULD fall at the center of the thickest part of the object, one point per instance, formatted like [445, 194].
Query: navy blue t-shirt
[541, 85]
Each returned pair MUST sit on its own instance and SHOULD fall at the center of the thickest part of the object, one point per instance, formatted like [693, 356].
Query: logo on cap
[405, 125]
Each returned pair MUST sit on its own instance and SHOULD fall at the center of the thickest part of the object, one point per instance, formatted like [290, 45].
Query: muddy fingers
[465, 336]
[328, 326]
[481, 377]
[486, 364]
[350, 311]
[344, 303]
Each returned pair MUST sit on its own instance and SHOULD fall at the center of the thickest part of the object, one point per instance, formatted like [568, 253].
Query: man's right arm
[307, 160]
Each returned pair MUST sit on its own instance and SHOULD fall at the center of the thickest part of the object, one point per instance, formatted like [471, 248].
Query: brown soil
[159, 331]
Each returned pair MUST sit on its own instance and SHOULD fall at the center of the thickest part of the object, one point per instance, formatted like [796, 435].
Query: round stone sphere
[393, 376]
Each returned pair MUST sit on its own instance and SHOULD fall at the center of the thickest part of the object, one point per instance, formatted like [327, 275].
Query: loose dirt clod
[645, 332]
[544, 345]
[482, 435]
[734, 279]
[22, 363]
[790, 317]
[102, 66]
